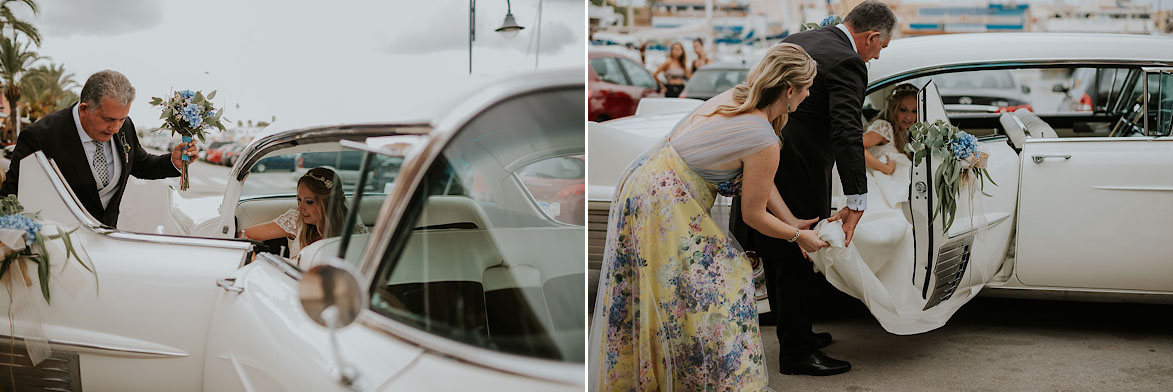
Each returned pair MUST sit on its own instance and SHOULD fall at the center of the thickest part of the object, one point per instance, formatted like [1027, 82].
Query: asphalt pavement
[995, 344]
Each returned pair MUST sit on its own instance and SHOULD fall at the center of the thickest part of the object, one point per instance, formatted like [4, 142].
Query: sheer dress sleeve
[288, 221]
[718, 142]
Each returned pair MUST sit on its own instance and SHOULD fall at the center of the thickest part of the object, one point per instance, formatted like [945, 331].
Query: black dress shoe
[816, 364]
[821, 339]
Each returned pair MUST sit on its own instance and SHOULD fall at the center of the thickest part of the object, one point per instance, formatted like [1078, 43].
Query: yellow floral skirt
[676, 293]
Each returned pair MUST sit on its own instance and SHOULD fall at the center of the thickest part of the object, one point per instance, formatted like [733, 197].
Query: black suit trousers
[792, 285]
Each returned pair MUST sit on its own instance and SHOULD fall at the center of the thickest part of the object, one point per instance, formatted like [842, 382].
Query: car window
[608, 70]
[988, 91]
[557, 184]
[277, 173]
[638, 75]
[1160, 103]
[474, 259]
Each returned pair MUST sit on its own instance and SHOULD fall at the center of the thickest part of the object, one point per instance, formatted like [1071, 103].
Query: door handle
[1037, 159]
[228, 284]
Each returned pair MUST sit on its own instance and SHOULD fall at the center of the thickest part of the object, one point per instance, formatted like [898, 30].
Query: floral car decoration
[22, 238]
[189, 114]
[963, 163]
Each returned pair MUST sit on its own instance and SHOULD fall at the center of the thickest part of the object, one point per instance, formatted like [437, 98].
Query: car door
[946, 262]
[1094, 212]
[140, 321]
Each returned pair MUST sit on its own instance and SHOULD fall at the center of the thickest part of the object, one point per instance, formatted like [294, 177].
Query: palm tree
[7, 19]
[15, 59]
[46, 89]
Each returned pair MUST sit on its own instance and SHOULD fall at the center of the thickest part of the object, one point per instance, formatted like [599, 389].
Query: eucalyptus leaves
[22, 238]
[963, 162]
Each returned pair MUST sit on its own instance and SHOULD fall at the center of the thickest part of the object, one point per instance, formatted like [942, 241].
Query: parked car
[231, 152]
[988, 91]
[283, 162]
[215, 151]
[715, 78]
[617, 83]
[345, 163]
[400, 308]
[1067, 172]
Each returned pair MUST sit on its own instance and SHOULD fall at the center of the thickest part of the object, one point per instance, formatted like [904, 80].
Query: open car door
[945, 261]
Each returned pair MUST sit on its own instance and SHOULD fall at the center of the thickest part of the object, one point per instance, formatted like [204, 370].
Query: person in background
[675, 71]
[702, 58]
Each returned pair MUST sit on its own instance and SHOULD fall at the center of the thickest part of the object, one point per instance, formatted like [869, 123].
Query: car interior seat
[1035, 126]
[1014, 128]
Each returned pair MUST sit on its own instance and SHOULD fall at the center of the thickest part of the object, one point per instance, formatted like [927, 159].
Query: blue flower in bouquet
[191, 113]
[21, 222]
[963, 146]
[187, 94]
[830, 20]
[210, 113]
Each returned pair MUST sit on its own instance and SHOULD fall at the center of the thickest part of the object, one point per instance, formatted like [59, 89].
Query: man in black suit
[826, 129]
[95, 146]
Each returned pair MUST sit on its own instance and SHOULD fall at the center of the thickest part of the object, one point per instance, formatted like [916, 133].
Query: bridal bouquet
[22, 238]
[189, 114]
[963, 163]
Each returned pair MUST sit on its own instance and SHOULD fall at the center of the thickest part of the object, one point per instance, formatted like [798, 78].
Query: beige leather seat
[1014, 128]
[1035, 126]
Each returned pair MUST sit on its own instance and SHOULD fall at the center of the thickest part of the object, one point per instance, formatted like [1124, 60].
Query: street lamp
[509, 28]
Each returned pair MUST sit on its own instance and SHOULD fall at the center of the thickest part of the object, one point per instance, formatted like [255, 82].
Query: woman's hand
[809, 241]
[889, 167]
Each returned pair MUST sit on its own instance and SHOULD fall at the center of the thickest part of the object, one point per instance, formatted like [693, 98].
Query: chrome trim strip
[1136, 188]
[102, 347]
[277, 261]
[972, 229]
[1096, 139]
[561, 372]
[318, 135]
[976, 66]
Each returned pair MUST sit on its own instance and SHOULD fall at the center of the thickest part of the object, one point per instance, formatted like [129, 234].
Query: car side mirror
[331, 296]
[1059, 88]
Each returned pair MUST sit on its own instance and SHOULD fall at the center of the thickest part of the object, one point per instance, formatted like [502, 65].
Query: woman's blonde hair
[899, 138]
[331, 204]
[785, 66]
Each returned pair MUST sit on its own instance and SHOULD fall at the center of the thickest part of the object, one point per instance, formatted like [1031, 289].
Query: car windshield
[489, 251]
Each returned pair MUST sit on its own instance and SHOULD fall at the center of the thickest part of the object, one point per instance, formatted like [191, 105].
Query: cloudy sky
[274, 57]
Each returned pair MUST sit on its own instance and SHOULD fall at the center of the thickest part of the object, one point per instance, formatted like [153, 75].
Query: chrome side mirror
[331, 296]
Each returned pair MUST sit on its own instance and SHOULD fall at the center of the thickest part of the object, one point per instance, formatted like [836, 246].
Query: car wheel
[260, 168]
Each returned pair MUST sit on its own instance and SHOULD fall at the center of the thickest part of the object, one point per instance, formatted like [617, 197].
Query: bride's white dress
[878, 266]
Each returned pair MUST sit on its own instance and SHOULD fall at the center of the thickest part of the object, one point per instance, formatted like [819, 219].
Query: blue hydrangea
[210, 114]
[828, 21]
[187, 94]
[963, 146]
[21, 222]
[191, 113]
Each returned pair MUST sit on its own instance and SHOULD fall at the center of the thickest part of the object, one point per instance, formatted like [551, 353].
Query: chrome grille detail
[60, 372]
[952, 262]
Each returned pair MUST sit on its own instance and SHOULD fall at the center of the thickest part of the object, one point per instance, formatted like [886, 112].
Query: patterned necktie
[100, 163]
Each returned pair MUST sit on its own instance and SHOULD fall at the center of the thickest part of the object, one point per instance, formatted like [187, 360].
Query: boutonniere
[125, 145]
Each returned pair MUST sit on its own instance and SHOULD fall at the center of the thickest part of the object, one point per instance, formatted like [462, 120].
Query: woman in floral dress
[675, 308]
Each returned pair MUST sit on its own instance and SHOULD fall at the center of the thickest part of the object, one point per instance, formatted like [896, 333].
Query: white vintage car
[1084, 198]
[464, 281]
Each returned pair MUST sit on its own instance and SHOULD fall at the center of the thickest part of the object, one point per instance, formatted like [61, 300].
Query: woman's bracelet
[797, 231]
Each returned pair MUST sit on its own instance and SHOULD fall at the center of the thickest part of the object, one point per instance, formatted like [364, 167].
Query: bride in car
[321, 209]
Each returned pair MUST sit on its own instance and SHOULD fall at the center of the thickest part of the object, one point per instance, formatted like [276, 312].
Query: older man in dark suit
[826, 129]
[95, 146]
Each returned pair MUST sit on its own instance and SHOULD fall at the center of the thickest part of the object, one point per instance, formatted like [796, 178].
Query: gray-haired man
[95, 146]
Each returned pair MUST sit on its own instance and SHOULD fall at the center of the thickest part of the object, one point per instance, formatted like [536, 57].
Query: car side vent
[952, 263]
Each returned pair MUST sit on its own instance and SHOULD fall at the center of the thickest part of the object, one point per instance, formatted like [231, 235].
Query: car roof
[921, 53]
[613, 51]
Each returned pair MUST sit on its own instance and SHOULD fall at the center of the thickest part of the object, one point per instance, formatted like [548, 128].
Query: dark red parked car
[617, 82]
